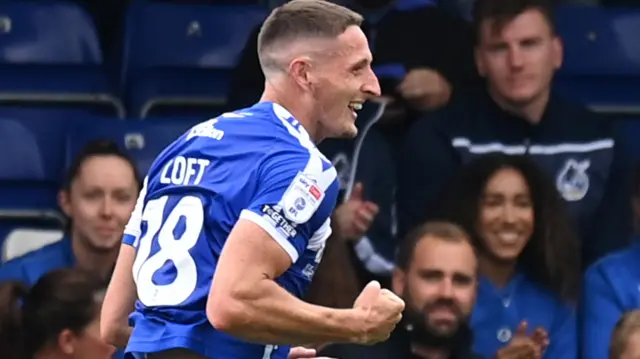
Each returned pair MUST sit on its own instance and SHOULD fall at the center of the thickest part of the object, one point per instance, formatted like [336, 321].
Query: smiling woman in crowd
[98, 196]
[529, 259]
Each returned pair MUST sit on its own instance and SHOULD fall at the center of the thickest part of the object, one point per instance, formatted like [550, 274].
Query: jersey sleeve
[295, 196]
[132, 230]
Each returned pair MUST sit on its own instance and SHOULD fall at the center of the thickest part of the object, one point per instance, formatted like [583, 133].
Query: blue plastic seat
[602, 57]
[49, 53]
[31, 165]
[181, 56]
[144, 140]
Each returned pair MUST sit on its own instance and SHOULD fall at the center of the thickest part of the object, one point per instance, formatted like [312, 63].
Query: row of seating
[172, 54]
[181, 55]
[35, 152]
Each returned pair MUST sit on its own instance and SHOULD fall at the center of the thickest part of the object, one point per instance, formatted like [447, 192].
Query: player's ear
[300, 71]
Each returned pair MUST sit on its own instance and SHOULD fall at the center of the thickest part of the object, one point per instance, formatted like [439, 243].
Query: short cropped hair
[440, 230]
[503, 11]
[626, 326]
[302, 19]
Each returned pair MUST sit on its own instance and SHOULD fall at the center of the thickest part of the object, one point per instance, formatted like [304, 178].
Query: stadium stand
[143, 140]
[602, 58]
[177, 58]
[50, 55]
[30, 171]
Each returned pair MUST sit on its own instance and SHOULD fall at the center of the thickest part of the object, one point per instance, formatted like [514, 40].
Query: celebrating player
[233, 218]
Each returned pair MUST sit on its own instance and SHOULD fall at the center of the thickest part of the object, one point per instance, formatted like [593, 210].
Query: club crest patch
[572, 180]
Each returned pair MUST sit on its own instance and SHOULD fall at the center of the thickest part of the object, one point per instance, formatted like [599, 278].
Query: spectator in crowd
[518, 51]
[529, 272]
[98, 196]
[436, 277]
[57, 318]
[625, 339]
[611, 287]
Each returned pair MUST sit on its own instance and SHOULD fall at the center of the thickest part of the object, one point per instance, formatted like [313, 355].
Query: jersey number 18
[171, 248]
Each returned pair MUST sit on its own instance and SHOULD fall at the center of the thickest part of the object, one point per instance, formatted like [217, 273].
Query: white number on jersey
[268, 350]
[174, 249]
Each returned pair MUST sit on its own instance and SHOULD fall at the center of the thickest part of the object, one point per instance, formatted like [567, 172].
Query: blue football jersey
[258, 164]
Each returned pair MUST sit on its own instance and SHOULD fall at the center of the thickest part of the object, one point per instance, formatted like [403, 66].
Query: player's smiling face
[346, 81]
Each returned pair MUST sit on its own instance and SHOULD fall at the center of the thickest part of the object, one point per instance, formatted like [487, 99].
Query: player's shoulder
[294, 158]
[264, 128]
[245, 134]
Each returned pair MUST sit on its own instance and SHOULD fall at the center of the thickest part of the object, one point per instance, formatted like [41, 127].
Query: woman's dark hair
[93, 149]
[31, 318]
[96, 148]
[551, 257]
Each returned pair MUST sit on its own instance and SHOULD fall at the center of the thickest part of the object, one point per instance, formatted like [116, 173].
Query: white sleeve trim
[135, 220]
[273, 232]
[372, 261]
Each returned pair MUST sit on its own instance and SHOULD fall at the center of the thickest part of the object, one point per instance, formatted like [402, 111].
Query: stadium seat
[50, 54]
[602, 57]
[180, 56]
[19, 240]
[144, 140]
[32, 149]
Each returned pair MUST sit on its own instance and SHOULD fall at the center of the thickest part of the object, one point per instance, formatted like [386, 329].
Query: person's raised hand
[521, 346]
[354, 217]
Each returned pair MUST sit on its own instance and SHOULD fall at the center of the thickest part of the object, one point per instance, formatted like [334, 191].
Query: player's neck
[297, 108]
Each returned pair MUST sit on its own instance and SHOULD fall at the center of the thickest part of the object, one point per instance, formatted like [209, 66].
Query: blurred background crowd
[495, 187]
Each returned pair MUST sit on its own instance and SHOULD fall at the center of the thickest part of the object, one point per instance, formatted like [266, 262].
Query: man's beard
[416, 323]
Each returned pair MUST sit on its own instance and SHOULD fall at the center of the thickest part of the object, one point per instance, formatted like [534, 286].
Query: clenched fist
[380, 311]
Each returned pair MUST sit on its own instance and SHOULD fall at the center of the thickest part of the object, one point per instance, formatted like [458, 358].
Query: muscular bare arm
[119, 301]
[246, 302]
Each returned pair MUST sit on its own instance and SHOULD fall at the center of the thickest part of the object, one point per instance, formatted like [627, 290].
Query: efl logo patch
[302, 199]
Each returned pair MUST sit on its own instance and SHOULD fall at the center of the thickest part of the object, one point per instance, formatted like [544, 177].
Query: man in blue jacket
[518, 51]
